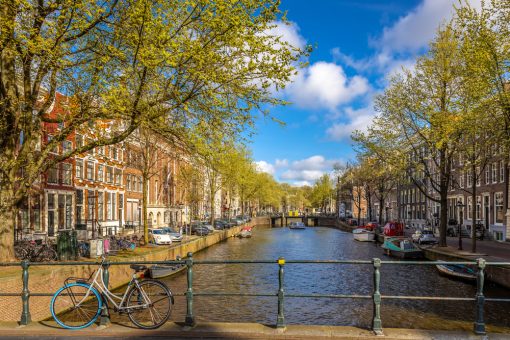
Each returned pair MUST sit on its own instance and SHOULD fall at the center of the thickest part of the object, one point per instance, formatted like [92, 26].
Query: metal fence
[479, 299]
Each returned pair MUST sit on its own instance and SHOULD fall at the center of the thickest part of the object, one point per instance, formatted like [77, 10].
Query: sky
[358, 44]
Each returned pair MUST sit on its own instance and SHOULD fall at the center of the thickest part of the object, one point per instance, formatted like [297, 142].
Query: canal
[326, 244]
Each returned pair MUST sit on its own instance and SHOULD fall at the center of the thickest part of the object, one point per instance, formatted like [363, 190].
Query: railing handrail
[376, 296]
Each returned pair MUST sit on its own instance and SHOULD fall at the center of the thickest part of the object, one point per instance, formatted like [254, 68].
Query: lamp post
[460, 205]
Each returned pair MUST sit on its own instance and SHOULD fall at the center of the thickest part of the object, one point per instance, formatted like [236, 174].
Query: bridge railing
[479, 299]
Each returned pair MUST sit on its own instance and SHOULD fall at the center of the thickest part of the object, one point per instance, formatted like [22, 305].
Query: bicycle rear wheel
[48, 254]
[159, 305]
[69, 308]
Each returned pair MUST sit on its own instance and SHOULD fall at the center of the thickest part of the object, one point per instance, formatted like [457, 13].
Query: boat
[297, 225]
[245, 233]
[457, 271]
[163, 270]
[363, 235]
[402, 248]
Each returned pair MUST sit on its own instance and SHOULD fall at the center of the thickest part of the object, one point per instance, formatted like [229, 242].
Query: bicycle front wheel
[150, 305]
[76, 306]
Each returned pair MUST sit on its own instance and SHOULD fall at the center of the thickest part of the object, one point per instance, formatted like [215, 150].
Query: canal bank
[218, 330]
[47, 279]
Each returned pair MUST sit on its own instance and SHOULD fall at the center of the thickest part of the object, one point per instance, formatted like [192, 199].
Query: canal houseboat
[297, 225]
[363, 235]
[402, 248]
[457, 271]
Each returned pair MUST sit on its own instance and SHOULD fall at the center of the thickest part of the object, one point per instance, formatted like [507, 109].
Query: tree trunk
[473, 209]
[144, 210]
[7, 235]
[381, 208]
[443, 220]
[212, 202]
[369, 207]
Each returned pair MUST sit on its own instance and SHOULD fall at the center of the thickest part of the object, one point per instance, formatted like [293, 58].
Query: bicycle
[78, 304]
[31, 251]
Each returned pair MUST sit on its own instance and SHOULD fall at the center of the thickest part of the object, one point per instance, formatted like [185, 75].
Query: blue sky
[359, 43]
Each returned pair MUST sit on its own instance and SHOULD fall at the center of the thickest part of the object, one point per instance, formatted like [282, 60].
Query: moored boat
[402, 248]
[163, 270]
[297, 225]
[363, 235]
[245, 233]
[457, 271]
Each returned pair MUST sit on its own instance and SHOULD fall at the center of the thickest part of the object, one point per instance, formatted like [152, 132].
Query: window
[494, 172]
[109, 174]
[469, 179]
[156, 191]
[100, 150]
[140, 183]
[66, 146]
[67, 174]
[478, 177]
[487, 174]
[461, 180]
[498, 211]
[53, 174]
[79, 168]
[79, 141]
[118, 177]
[128, 182]
[469, 208]
[79, 206]
[100, 172]
[501, 171]
[55, 148]
[89, 141]
[100, 206]
[115, 153]
[461, 160]
[110, 205]
[90, 171]
[478, 207]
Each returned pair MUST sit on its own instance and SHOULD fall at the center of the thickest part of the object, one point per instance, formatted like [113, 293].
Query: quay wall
[47, 279]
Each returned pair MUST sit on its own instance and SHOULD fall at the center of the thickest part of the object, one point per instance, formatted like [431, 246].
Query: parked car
[208, 225]
[174, 234]
[427, 237]
[159, 236]
[201, 231]
[416, 235]
[219, 224]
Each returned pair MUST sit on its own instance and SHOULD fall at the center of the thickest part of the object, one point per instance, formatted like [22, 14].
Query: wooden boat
[297, 225]
[457, 271]
[402, 248]
[363, 235]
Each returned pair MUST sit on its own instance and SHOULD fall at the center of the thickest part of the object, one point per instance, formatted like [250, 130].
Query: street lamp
[460, 205]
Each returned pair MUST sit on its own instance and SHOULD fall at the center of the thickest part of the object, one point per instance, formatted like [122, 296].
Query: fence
[376, 297]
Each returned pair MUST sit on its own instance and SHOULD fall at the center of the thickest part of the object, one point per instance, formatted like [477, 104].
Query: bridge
[308, 220]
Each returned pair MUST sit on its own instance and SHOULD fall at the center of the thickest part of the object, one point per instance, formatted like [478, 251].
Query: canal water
[326, 244]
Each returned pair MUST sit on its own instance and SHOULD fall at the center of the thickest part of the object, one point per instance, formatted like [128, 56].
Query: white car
[159, 236]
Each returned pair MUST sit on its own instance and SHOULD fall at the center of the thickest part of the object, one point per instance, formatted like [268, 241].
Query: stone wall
[47, 279]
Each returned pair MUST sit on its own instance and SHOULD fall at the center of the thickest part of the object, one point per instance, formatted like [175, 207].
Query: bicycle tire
[64, 311]
[161, 307]
[48, 254]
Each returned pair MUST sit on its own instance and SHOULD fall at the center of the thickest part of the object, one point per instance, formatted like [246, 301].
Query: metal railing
[376, 296]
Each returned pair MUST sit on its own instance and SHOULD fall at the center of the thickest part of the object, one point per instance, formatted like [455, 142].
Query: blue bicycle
[78, 304]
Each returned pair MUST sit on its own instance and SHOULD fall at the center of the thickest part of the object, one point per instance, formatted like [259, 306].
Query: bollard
[280, 321]
[376, 322]
[105, 314]
[190, 318]
[479, 326]
[25, 295]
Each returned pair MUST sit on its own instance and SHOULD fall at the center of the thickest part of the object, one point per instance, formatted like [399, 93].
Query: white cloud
[264, 166]
[288, 32]
[281, 163]
[356, 119]
[325, 85]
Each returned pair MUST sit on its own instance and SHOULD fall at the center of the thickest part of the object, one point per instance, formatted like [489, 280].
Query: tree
[322, 191]
[416, 126]
[125, 63]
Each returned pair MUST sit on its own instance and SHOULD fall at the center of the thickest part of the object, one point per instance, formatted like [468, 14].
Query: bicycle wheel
[48, 254]
[159, 307]
[72, 308]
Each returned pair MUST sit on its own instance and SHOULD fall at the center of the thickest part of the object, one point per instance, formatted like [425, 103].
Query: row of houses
[101, 191]
[407, 203]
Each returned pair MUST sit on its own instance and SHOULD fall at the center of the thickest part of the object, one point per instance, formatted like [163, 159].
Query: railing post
[376, 322]
[190, 318]
[105, 315]
[479, 326]
[280, 321]
[25, 295]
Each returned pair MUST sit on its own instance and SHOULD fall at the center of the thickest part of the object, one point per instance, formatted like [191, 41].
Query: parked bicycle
[78, 304]
[33, 252]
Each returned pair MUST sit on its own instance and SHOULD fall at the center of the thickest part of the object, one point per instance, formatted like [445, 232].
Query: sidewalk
[217, 330]
[490, 250]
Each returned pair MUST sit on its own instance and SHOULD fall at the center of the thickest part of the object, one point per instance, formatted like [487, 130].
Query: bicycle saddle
[138, 267]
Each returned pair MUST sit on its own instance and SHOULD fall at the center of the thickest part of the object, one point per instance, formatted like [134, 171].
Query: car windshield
[158, 232]
[170, 230]
[427, 232]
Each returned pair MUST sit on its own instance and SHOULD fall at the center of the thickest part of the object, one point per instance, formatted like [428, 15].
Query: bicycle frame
[98, 284]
